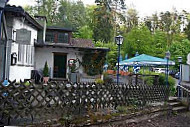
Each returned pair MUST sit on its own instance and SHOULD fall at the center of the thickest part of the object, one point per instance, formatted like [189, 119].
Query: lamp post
[167, 57]
[180, 73]
[119, 41]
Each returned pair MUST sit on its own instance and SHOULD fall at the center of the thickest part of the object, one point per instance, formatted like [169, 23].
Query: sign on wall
[23, 36]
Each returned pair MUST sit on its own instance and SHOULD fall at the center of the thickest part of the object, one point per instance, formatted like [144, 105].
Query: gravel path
[178, 120]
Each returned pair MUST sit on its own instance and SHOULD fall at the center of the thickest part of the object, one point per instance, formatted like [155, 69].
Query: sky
[144, 7]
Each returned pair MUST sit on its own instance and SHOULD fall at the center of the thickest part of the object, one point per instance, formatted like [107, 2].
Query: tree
[72, 14]
[48, 8]
[111, 55]
[180, 49]
[132, 19]
[139, 39]
[170, 23]
[187, 31]
[31, 10]
[103, 25]
[84, 32]
[106, 19]
[155, 22]
[110, 3]
[159, 45]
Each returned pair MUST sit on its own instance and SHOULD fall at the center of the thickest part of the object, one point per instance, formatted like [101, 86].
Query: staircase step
[180, 109]
[174, 104]
[173, 99]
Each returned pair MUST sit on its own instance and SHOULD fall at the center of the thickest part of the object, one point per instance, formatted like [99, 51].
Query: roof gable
[19, 11]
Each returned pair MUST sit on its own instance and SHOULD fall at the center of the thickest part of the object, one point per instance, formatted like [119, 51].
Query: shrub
[99, 81]
[107, 79]
[171, 83]
[46, 70]
[27, 83]
[148, 80]
[121, 109]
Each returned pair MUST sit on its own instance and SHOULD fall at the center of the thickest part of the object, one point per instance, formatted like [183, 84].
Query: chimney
[42, 20]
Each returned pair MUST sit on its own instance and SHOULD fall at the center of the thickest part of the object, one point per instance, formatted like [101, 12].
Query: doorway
[60, 63]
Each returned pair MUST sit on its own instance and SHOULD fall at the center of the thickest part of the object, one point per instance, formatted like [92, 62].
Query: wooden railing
[24, 103]
[184, 95]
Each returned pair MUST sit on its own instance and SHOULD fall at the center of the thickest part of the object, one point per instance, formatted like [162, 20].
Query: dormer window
[50, 37]
[63, 37]
[57, 37]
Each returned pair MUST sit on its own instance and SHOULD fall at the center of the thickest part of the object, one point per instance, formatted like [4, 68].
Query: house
[22, 31]
[32, 43]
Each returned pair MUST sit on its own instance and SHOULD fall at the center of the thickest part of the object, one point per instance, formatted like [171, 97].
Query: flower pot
[74, 77]
[45, 80]
[110, 71]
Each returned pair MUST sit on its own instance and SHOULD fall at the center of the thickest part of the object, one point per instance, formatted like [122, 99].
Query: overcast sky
[144, 7]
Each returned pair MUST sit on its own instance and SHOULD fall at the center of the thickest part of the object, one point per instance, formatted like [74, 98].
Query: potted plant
[45, 73]
[73, 75]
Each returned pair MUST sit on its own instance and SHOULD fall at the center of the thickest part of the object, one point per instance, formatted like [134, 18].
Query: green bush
[149, 80]
[27, 83]
[99, 81]
[107, 79]
[46, 70]
[131, 69]
[147, 72]
[171, 83]
[121, 109]
[162, 80]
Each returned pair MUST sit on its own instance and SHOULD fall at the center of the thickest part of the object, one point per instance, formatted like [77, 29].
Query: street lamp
[167, 57]
[180, 72]
[119, 41]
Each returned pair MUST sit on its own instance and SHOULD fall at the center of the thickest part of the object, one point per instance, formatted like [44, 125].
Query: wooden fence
[27, 102]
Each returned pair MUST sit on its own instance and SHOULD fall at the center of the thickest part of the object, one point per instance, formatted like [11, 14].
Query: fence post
[188, 104]
[181, 94]
[136, 80]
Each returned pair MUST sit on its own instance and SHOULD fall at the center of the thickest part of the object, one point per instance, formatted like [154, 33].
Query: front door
[60, 62]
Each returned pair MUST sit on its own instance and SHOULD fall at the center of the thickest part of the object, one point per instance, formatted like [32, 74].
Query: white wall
[47, 54]
[185, 69]
[17, 71]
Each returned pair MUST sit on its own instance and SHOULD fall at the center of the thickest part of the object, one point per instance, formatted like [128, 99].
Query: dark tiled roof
[61, 45]
[59, 28]
[78, 42]
[19, 11]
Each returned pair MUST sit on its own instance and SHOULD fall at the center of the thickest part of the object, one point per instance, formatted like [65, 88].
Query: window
[21, 52]
[66, 38]
[63, 38]
[25, 54]
[32, 56]
[50, 37]
[57, 37]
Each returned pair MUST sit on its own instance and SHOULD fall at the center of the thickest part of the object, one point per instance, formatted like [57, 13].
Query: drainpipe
[3, 20]
[1, 12]
[5, 48]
